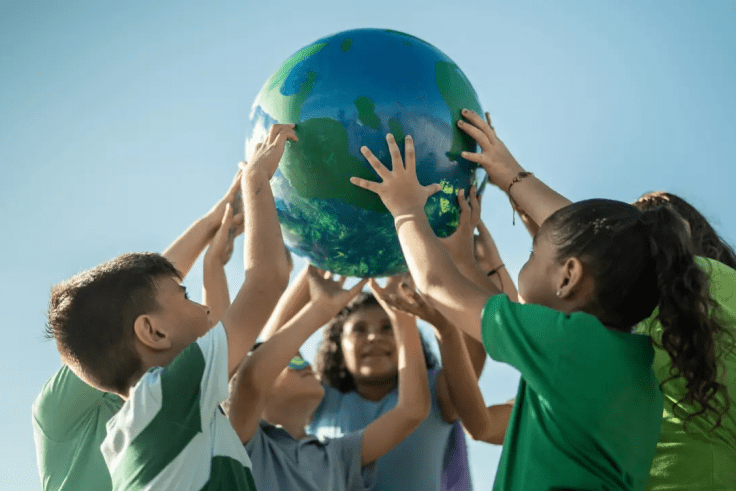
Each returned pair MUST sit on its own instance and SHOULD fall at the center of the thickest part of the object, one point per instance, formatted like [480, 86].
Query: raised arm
[292, 301]
[185, 250]
[266, 265]
[481, 423]
[489, 261]
[431, 267]
[257, 374]
[413, 403]
[530, 194]
[215, 292]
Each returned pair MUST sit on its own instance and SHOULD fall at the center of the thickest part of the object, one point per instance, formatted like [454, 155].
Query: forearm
[538, 200]
[436, 276]
[266, 363]
[291, 302]
[185, 250]
[266, 271]
[498, 417]
[462, 381]
[414, 394]
[412, 406]
[215, 292]
[479, 277]
[264, 245]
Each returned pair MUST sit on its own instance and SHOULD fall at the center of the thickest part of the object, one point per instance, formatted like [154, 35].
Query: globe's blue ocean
[349, 90]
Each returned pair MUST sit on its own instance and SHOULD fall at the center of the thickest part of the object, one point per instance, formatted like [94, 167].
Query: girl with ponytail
[588, 409]
[695, 362]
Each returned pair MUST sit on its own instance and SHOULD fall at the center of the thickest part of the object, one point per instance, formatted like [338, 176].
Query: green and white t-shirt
[589, 407]
[171, 435]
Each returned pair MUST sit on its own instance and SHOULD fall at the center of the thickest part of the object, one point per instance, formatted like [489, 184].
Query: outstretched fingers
[366, 184]
[480, 124]
[409, 155]
[396, 161]
[380, 169]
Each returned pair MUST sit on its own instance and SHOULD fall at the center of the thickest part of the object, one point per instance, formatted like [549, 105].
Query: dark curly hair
[642, 260]
[330, 363]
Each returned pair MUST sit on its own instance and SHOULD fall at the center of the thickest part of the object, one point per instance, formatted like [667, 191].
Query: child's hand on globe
[494, 157]
[267, 155]
[399, 189]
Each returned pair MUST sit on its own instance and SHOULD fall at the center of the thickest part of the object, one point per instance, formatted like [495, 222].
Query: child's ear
[574, 284]
[147, 332]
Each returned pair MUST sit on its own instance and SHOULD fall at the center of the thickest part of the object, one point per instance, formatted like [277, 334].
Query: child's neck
[375, 390]
[293, 418]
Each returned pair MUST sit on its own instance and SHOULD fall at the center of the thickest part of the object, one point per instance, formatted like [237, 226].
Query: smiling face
[369, 346]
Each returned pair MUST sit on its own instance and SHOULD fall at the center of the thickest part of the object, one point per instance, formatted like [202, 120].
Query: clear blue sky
[120, 123]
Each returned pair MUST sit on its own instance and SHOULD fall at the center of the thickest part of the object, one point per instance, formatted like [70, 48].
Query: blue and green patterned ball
[349, 90]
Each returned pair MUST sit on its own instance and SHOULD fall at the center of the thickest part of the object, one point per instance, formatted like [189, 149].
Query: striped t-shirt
[170, 433]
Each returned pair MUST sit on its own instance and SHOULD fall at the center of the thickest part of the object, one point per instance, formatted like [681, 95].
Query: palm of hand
[399, 189]
[328, 293]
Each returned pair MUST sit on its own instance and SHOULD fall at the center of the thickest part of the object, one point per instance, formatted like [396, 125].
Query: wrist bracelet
[521, 175]
[403, 218]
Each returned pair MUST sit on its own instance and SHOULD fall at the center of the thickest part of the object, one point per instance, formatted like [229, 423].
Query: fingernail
[460, 122]
[464, 153]
[363, 149]
[408, 137]
[465, 111]
[389, 136]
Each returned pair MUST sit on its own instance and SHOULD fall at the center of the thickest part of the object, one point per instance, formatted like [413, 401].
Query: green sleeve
[536, 340]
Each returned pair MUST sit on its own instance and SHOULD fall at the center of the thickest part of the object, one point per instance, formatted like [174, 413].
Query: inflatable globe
[349, 90]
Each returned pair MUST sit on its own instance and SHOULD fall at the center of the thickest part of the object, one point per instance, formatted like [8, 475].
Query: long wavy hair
[330, 361]
[641, 260]
[708, 243]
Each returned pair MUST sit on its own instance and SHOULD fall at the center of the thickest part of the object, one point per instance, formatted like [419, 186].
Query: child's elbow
[419, 410]
[486, 433]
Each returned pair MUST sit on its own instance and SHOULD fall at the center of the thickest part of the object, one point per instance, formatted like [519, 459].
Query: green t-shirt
[69, 419]
[698, 459]
[588, 410]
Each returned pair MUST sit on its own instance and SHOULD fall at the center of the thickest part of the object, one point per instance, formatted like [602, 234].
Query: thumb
[433, 188]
